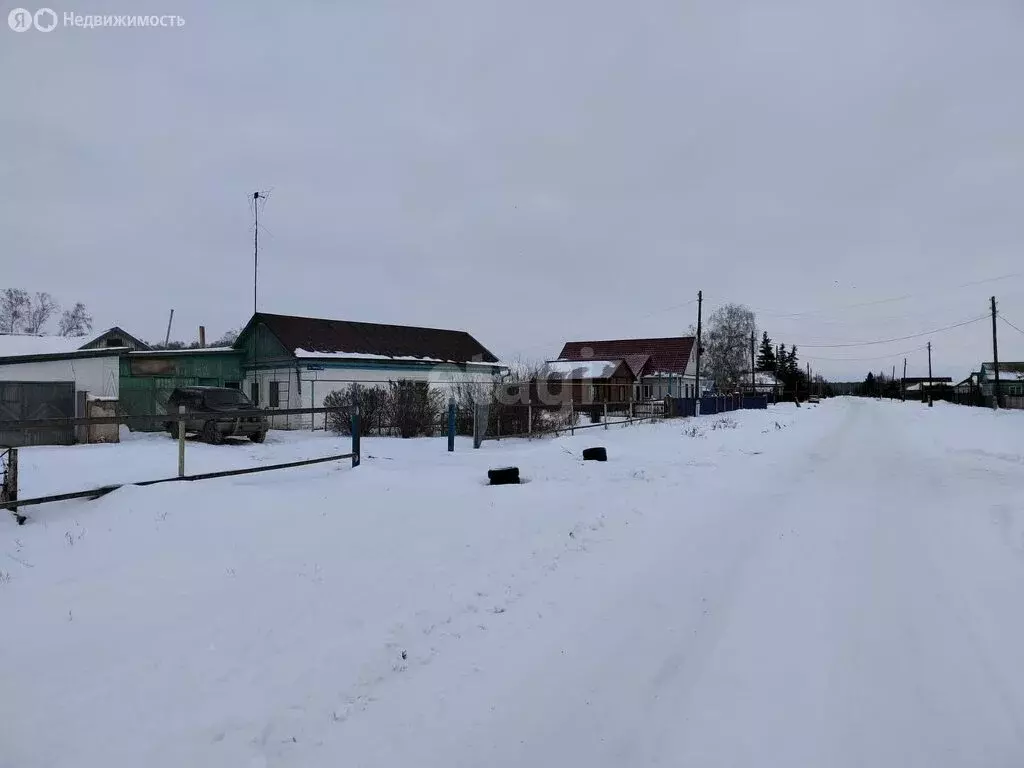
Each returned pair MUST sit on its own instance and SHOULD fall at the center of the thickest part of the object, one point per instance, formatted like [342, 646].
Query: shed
[50, 385]
[149, 377]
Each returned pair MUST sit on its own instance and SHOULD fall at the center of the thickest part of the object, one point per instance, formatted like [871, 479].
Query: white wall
[99, 376]
[303, 388]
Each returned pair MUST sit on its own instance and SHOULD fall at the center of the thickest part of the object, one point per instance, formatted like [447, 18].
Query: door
[24, 400]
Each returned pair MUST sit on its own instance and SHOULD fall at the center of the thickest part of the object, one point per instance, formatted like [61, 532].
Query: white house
[295, 362]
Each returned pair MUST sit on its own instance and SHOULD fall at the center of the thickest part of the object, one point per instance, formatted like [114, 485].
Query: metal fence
[481, 421]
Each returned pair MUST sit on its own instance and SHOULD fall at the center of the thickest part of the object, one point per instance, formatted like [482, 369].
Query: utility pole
[700, 302]
[753, 379]
[167, 338]
[903, 382]
[930, 373]
[995, 355]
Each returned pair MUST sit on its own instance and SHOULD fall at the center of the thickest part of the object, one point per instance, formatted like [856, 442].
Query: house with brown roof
[295, 362]
[661, 367]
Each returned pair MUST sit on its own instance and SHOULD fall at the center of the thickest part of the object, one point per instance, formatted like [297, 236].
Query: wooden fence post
[529, 420]
[356, 427]
[181, 441]
[451, 424]
[606, 415]
[11, 476]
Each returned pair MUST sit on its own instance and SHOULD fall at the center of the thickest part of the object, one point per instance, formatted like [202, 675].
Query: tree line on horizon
[22, 312]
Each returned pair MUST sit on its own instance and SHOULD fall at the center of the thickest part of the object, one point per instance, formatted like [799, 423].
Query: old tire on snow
[595, 454]
[504, 476]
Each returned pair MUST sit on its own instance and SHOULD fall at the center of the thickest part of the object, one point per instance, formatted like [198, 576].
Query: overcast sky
[530, 171]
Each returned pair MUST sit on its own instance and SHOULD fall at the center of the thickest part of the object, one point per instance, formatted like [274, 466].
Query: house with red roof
[661, 367]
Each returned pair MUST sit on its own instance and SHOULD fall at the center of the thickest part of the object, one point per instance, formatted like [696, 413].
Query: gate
[23, 400]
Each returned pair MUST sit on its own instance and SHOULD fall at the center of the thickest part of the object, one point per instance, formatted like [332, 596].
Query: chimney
[202, 336]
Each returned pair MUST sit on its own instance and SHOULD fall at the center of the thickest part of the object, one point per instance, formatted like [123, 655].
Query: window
[275, 394]
[115, 341]
[219, 397]
[647, 391]
[232, 385]
[622, 394]
[254, 392]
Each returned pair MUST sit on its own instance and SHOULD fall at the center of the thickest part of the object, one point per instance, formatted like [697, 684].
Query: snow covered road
[854, 603]
[830, 586]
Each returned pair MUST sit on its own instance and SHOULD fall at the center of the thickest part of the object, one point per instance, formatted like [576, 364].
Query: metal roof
[311, 336]
[668, 355]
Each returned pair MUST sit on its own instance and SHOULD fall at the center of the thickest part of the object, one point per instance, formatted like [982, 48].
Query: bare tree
[228, 339]
[726, 343]
[14, 309]
[75, 321]
[40, 310]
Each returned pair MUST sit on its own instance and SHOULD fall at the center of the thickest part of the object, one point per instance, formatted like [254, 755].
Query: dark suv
[211, 412]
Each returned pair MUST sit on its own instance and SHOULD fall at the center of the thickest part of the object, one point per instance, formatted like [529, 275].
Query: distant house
[116, 338]
[938, 381]
[1011, 379]
[660, 367]
[935, 385]
[969, 385]
[295, 362]
[583, 382]
[765, 383]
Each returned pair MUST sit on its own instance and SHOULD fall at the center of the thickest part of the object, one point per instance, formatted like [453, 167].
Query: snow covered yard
[836, 585]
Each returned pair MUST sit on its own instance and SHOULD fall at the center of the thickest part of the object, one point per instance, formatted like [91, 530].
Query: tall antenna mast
[255, 245]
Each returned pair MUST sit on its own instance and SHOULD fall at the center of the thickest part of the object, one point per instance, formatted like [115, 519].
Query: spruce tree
[868, 387]
[766, 354]
[792, 363]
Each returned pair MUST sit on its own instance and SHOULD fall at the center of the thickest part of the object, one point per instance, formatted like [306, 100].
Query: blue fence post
[451, 424]
[355, 425]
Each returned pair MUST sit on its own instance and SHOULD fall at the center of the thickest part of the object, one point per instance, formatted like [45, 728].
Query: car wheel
[257, 437]
[211, 434]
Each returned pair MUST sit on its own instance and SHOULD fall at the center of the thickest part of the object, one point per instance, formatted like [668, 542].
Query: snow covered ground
[838, 585]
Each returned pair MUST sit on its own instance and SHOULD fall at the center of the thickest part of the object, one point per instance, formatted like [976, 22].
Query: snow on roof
[299, 352]
[761, 377]
[580, 369]
[927, 385]
[183, 351]
[15, 345]
[1007, 371]
[318, 337]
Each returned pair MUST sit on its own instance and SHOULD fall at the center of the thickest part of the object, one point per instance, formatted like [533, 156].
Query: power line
[1018, 330]
[889, 300]
[896, 338]
[864, 359]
